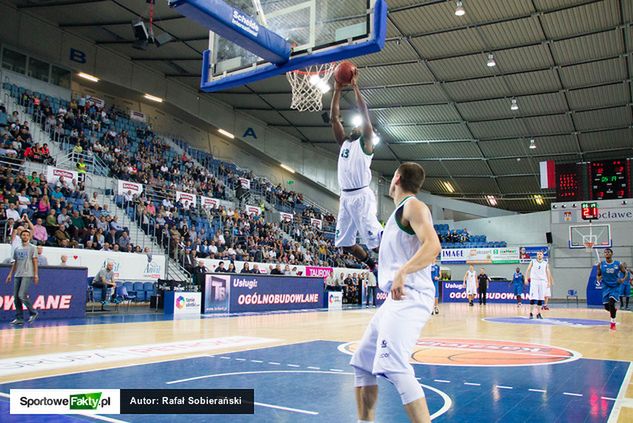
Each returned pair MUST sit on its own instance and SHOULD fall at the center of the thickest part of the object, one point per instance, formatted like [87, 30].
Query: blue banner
[60, 293]
[258, 293]
[498, 292]
[528, 253]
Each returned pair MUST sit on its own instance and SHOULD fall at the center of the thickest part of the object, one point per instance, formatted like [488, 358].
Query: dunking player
[408, 247]
[625, 289]
[539, 276]
[517, 282]
[358, 209]
[608, 274]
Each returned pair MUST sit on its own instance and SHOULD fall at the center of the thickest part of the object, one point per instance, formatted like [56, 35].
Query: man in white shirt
[12, 213]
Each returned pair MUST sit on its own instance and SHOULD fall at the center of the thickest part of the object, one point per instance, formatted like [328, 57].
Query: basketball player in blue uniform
[609, 276]
[625, 290]
[435, 273]
[408, 247]
[517, 284]
[358, 209]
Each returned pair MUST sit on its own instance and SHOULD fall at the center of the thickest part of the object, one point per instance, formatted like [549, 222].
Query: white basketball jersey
[539, 270]
[354, 165]
[470, 276]
[396, 248]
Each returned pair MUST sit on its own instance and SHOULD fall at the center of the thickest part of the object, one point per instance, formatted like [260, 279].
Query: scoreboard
[600, 180]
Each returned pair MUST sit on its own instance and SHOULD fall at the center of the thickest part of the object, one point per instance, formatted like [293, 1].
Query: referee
[483, 280]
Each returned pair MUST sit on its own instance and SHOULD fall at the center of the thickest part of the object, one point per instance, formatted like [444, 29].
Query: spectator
[41, 260]
[220, 268]
[40, 235]
[231, 268]
[276, 270]
[64, 261]
[105, 280]
[246, 268]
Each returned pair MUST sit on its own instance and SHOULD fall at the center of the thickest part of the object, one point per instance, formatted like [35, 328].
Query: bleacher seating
[460, 238]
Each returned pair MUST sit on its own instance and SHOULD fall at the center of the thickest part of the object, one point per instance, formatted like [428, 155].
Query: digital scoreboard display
[589, 211]
[568, 182]
[610, 179]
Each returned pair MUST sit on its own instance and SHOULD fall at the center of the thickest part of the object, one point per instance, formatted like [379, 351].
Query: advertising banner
[507, 255]
[286, 217]
[245, 183]
[594, 288]
[124, 186]
[253, 210]
[209, 203]
[318, 223]
[216, 293]
[138, 116]
[181, 303]
[319, 272]
[96, 101]
[335, 300]
[186, 199]
[53, 174]
[498, 292]
[528, 253]
[61, 293]
[257, 293]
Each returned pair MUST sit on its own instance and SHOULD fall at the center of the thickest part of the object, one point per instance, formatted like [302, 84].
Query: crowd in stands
[60, 214]
[16, 142]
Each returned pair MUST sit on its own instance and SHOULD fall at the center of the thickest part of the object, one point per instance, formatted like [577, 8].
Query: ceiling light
[357, 120]
[514, 105]
[532, 144]
[376, 139]
[491, 200]
[491, 61]
[539, 199]
[288, 168]
[226, 133]
[459, 10]
[153, 98]
[88, 77]
[449, 187]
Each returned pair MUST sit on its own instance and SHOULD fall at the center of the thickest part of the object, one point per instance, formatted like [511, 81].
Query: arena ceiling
[432, 96]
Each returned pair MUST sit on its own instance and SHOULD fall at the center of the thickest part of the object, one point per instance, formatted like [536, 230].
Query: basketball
[344, 72]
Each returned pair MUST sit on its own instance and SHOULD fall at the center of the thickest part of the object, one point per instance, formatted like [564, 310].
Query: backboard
[599, 235]
[311, 31]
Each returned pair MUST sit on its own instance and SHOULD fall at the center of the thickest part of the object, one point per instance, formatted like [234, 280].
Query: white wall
[35, 84]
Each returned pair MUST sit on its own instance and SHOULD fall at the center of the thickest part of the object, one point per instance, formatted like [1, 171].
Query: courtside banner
[186, 199]
[132, 401]
[498, 292]
[209, 203]
[53, 174]
[124, 186]
[253, 293]
[480, 255]
[60, 293]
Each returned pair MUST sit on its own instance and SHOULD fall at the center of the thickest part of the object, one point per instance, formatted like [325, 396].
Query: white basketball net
[309, 85]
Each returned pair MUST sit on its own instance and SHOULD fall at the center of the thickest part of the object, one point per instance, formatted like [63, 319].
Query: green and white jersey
[354, 165]
[398, 245]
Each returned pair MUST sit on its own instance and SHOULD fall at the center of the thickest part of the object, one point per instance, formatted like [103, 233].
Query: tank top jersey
[398, 245]
[610, 273]
[354, 165]
[470, 277]
[539, 270]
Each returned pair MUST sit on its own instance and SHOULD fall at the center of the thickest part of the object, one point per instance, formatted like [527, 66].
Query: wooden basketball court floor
[475, 363]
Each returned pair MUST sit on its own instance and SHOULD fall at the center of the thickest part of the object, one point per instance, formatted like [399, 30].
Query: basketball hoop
[308, 86]
[588, 246]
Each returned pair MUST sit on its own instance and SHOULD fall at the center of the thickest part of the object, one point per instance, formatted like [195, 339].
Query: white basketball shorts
[537, 289]
[388, 342]
[471, 288]
[357, 216]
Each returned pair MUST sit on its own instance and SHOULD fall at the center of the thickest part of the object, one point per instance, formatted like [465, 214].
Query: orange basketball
[344, 72]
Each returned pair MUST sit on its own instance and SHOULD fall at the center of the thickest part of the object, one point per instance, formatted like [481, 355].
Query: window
[60, 77]
[38, 69]
[13, 61]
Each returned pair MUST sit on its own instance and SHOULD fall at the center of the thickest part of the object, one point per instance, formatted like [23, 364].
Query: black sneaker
[16, 322]
[437, 310]
[538, 316]
[33, 317]
[531, 316]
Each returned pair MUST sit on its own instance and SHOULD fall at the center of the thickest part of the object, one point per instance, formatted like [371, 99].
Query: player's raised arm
[335, 115]
[368, 129]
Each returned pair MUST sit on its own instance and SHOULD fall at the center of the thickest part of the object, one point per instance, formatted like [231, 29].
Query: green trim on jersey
[406, 229]
[361, 140]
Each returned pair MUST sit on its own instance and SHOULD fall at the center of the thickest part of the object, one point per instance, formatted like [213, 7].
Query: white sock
[612, 320]
[365, 421]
